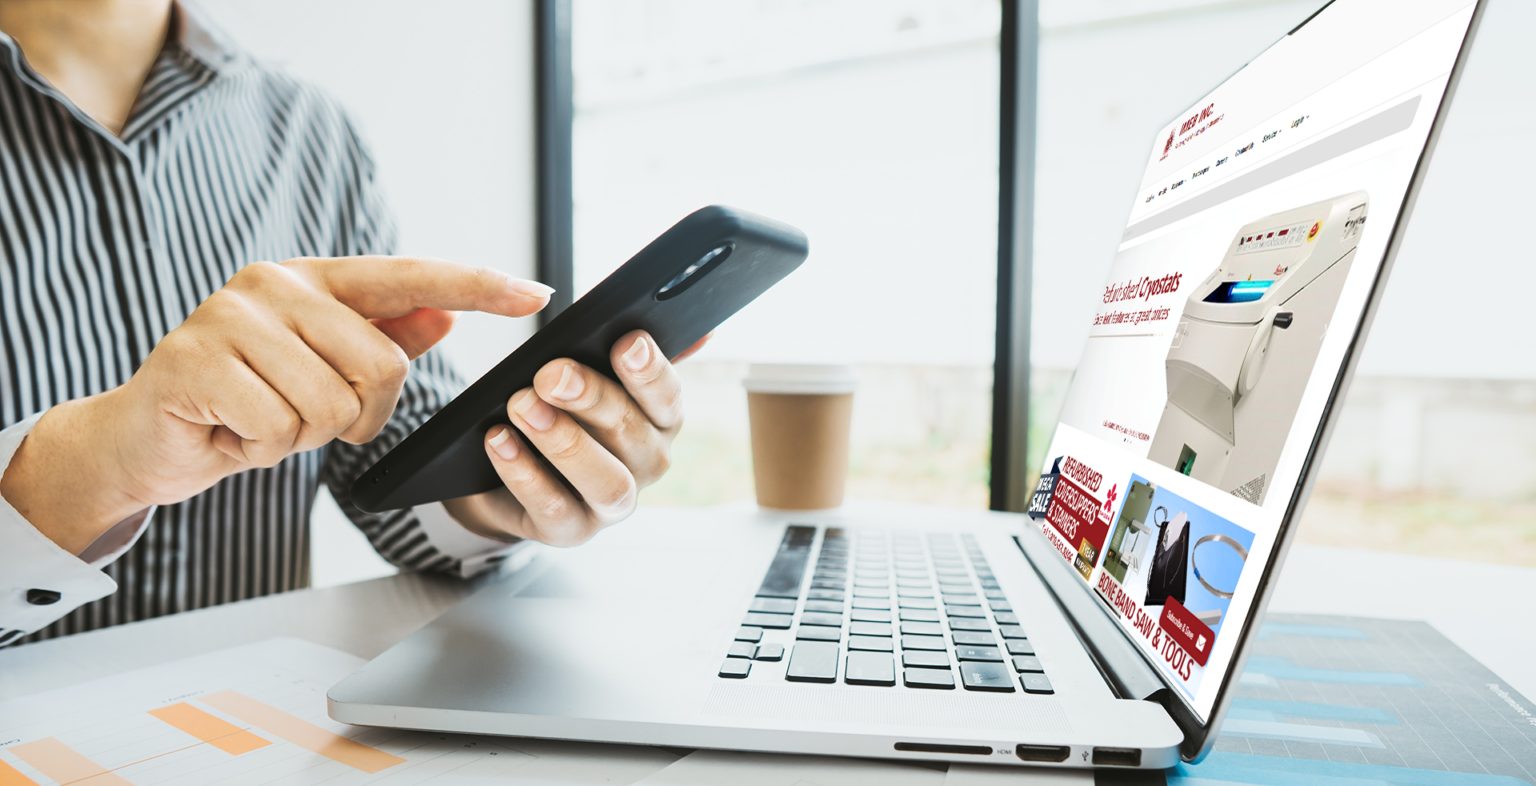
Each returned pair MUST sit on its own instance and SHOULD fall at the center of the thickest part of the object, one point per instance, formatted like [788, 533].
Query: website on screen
[1251, 251]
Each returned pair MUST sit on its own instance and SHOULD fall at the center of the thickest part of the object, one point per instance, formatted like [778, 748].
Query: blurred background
[873, 126]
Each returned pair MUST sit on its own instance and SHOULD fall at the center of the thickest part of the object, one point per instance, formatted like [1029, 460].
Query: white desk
[1469, 602]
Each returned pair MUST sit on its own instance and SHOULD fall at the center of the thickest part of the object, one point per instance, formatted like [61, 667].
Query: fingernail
[531, 288]
[534, 412]
[638, 355]
[570, 385]
[503, 444]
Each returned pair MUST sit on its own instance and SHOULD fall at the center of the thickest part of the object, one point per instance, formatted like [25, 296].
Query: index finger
[385, 287]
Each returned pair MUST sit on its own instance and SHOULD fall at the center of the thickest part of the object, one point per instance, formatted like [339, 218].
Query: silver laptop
[1105, 627]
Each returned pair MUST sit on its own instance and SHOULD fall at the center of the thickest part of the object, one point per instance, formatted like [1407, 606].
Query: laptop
[1107, 625]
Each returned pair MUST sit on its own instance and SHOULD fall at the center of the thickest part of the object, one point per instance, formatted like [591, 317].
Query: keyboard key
[993, 594]
[917, 584]
[965, 611]
[917, 603]
[947, 589]
[990, 584]
[869, 629]
[917, 572]
[742, 649]
[758, 619]
[922, 628]
[973, 638]
[788, 566]
[749, 634]
[829, 584]
[1000, 605]
[927, 660]
[991, 654]
[914, 592]
[870, 643]
[961, 600]
[1027, 663]
[919, 615]
[770, 652]
[828, 606]
[736, 668]
[821, 618]
[1007, 618]
[773, 605]
[867, 573]
[966, 623]
[1012, 632]
[821, 594]
[935, 643]
[872, 603]
[870, 615]
[953, 573]
[880, 584]
[1036, 683]
[986, 676]
[869, 668]
[1019, 647]
[928, 678]
[818, 633]
[871, 592]
[812, 661]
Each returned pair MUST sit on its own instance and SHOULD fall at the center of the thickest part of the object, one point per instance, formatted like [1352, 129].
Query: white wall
[444, 91]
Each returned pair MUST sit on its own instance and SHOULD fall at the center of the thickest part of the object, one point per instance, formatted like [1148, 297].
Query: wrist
[66, 479]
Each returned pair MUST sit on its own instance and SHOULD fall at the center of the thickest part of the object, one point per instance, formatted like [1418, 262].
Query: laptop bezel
[1124, 664]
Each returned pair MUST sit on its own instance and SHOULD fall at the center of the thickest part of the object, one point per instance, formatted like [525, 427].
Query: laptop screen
[1255, 241]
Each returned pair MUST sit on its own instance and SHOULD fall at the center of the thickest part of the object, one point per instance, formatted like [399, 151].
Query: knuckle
[615, 502]
[341, 411]
[565, 444]
[259, 276]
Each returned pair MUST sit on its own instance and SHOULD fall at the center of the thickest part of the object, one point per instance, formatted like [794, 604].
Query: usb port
[1117, 757]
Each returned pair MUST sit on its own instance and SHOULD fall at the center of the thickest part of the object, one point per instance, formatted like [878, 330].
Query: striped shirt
[109, 242]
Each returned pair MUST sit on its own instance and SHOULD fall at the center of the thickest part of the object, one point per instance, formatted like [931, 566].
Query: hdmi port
[1043, 752]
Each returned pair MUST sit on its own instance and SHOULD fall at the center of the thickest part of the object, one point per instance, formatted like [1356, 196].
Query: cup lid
[821, 379]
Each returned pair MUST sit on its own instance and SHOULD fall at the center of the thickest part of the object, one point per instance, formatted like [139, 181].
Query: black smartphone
[678, 288]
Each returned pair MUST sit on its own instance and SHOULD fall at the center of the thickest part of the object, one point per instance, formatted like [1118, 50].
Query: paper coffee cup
[800, 418]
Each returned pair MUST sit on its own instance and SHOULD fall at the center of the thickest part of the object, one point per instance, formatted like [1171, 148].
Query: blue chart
[1343, 701]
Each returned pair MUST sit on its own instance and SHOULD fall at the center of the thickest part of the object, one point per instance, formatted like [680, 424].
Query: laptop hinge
[1122, 665]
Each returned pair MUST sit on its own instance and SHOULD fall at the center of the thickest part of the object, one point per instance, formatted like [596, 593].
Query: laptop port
[931, 747]
[1043, 752]
[1117, 757]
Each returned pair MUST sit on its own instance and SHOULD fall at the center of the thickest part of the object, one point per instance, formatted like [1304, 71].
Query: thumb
[417, 331]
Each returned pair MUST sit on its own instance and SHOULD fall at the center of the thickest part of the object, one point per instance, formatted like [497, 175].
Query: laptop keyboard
[882, 609]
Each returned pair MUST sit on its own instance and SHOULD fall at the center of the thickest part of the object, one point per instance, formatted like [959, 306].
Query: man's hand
[283, 359]
[605, 438]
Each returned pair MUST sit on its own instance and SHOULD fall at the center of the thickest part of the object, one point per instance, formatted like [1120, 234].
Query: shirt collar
[198, 35]
[193, 31]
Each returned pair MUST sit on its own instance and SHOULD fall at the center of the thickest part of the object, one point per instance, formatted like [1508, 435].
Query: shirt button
[42, 597]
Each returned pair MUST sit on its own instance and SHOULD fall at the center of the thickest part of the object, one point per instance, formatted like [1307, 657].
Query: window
[870, 125]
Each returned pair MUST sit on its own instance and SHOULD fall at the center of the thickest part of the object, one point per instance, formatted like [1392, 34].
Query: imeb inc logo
[1168, 146]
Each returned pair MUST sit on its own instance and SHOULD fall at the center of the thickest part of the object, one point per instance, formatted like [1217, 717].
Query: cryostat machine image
[1248, 340]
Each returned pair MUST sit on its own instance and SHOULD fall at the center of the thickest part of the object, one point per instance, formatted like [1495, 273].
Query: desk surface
[1467, 601]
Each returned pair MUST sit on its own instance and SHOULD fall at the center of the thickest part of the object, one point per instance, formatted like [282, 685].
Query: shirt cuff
[40, 582]
[475, 553]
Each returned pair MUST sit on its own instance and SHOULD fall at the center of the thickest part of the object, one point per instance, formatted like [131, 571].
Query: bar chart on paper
[256, 715]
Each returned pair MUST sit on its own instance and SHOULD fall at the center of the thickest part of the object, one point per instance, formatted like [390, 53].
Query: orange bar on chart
[61, 763]
[220, 734]
[10, 776]
[301, 732]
